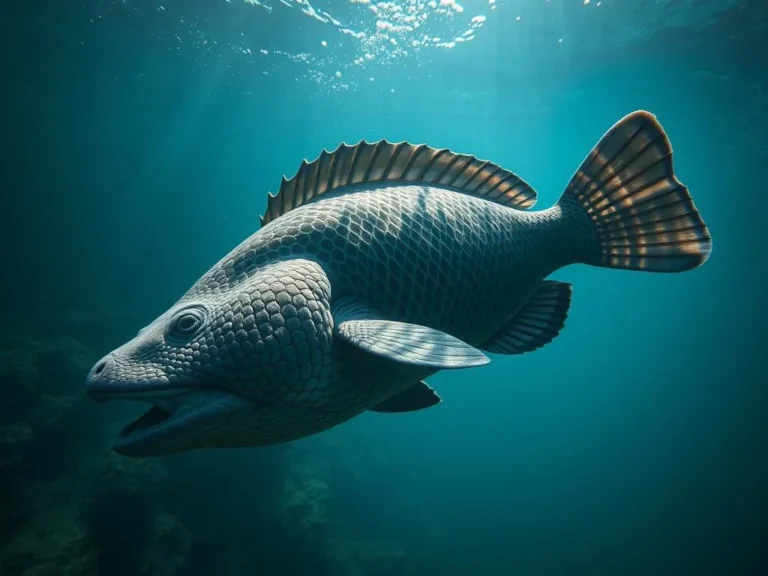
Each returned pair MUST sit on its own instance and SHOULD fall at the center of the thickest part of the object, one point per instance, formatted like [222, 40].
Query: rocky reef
[62, 487]
[71, 506]
[312, 508]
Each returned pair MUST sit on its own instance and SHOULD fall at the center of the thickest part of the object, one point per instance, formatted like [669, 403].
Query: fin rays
[643, 217]
[537, 323]
[402, 162]
[364, 328]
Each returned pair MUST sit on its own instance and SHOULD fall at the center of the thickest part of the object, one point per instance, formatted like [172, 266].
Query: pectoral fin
[416, 397]
[363, 327]
[537, 323]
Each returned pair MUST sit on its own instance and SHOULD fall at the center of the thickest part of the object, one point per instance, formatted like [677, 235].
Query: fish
[376, 266]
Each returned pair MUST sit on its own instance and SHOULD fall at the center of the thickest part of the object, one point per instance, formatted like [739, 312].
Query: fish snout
[118, 377]
[99, 382]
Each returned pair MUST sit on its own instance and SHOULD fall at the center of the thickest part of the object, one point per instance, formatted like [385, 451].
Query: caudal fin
[641, 217]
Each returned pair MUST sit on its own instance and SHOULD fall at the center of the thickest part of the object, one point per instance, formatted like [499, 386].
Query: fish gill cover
[140, 139]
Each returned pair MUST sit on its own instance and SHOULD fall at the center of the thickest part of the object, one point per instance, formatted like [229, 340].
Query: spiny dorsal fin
[384, 161]
[537, 323]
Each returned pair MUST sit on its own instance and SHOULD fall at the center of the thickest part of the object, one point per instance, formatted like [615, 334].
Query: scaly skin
[249, 355]
[423, 255]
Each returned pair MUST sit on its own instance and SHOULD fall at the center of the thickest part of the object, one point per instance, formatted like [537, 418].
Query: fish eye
[188, 322]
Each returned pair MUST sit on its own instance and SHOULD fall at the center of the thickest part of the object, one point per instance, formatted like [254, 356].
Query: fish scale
[378, 265]
[453, 244]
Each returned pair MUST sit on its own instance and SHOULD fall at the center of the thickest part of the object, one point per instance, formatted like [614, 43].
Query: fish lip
[182, 412]
[164, 403]
[130, 391]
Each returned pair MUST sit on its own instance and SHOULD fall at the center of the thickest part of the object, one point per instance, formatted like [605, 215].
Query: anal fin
[537, 323]
[416, 397]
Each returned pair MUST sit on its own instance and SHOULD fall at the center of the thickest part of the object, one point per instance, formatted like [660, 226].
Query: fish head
[224, 367]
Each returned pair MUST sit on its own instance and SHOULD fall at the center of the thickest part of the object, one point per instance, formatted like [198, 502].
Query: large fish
[376, 266]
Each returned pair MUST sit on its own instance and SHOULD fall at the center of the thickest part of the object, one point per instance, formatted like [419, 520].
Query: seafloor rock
[31, 369]
[310, 509]
[69, 505]
[14, 441]
[18, 395]
[116, 475]
[46, 422]
[42, 426]
[52, 409]
[366, 558]
[306, 494]
[62, 366]
[305, 508]
[54, 542]
[18, 382]
[169, 548]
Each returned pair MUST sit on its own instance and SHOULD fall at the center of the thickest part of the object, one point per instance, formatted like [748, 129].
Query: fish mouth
[178, 420]
[153, 417]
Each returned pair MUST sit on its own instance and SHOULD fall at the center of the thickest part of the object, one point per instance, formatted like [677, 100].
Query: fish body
[378, 265]
[417, 254]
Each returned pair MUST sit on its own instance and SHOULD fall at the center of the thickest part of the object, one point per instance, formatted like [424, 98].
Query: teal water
[140, 140]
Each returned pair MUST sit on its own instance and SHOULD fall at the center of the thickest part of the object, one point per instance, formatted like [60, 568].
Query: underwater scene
[383, 288]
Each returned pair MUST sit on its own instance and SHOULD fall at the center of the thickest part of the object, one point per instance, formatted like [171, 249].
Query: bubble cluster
[361, 38]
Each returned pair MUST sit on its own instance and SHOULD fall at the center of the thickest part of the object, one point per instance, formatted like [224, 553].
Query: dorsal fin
[384, 161]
